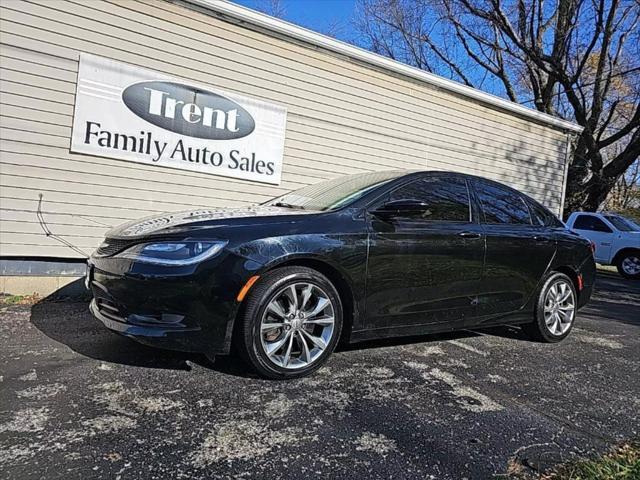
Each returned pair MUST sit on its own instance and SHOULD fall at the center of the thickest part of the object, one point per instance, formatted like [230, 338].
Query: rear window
[622, 224]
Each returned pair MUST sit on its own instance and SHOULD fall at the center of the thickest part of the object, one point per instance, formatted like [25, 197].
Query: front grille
[111, 246]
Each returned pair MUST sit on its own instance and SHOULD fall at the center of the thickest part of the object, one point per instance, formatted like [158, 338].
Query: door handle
[540, 239]
[470, 235]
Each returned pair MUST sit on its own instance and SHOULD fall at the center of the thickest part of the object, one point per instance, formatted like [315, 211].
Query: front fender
[340, 257]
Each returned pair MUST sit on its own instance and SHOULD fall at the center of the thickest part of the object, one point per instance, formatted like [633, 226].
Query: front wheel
[291, 323]
[629, 265]
[555, 310]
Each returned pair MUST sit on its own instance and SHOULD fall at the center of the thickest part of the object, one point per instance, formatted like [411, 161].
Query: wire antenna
[50, 234]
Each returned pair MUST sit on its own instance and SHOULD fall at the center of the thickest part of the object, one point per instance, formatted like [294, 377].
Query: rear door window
[502, 205]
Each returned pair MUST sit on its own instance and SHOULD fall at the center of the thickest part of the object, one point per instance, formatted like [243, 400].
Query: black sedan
[354, 258]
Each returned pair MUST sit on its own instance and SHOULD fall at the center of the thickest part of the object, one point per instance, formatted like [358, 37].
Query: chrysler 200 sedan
[350, 259]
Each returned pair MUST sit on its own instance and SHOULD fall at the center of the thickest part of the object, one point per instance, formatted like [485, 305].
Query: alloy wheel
[297, 325]
[631, 265]
[559, 307]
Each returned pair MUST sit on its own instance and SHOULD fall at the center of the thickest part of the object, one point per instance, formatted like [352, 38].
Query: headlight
[187, 252]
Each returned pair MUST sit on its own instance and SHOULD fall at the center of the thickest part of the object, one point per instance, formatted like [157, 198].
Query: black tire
[538, 329]
[248, 334]
[633, 256]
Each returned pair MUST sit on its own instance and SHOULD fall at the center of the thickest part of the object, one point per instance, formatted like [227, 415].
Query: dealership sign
[142, 116]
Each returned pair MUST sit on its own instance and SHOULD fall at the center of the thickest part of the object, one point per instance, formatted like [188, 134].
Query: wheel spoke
[321, 305]
[564, 316]
[548, 318]
[565, 296]
[275, 308]
[306, 355]
[317, 341]
[292, 295]
[287, 354]
[273, 347]
[319, 321]
[306, 295]
[272, 326]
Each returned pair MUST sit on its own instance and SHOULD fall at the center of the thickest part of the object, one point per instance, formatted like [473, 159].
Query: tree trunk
[586, 190]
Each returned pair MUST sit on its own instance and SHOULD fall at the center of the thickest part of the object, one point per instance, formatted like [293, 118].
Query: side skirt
[415, 330]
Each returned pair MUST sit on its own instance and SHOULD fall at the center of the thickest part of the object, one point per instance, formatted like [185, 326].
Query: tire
[628, 265]
[271, 341]
[551, 324]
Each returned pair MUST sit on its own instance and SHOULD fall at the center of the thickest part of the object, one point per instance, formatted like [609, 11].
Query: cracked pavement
[77, 401]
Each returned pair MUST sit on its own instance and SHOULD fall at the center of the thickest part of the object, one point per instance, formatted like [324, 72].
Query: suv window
[447, 198]
[502, 205]
[590, 222]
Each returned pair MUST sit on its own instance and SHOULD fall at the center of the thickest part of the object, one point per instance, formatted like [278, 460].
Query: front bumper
[189, 310]
[169, 337]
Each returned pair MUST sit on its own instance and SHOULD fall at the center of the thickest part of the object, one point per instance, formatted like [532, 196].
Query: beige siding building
[348, 111]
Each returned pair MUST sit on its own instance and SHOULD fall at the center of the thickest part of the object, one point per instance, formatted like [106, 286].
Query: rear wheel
[291, 323]
[555, 309]
[628, 265]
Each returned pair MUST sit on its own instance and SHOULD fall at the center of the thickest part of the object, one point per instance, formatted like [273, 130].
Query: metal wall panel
[343, 117]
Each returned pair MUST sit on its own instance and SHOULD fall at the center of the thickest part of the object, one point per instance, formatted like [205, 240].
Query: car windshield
[335, 193]
[623, 224]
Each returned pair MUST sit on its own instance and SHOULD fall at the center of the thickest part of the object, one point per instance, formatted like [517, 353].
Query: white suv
[616, 239]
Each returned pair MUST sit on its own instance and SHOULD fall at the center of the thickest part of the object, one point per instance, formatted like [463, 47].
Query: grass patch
[18, 299]
[622, 463]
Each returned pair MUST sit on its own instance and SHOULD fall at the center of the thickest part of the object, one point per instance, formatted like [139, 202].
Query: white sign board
[142, 116]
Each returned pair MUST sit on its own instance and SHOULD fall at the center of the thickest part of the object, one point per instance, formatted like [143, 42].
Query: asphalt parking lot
[77, 401]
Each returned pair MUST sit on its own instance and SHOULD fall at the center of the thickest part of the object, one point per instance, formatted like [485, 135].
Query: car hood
[180, 221]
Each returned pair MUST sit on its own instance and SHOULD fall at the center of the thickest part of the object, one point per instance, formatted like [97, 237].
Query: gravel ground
[77, 401]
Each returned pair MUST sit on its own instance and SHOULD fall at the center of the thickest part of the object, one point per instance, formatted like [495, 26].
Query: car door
[425, 255]
[518, 252]
[596, 230]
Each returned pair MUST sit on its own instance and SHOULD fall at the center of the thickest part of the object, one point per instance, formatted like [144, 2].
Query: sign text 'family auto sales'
[134, 114]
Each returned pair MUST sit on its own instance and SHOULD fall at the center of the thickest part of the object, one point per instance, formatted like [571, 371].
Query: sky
[324, 16]
[336, 19]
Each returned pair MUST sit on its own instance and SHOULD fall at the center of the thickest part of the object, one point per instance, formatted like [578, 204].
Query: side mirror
[406, 207]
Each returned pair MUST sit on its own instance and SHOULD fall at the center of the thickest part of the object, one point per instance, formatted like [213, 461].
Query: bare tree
[625, 193]
[578, 59]
[274, 8]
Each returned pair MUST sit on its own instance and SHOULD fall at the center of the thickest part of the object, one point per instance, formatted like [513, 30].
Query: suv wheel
[629, 265]
[291, 323]
[555, 310]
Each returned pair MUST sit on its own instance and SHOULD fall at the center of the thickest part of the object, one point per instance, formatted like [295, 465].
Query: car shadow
[71, 324]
